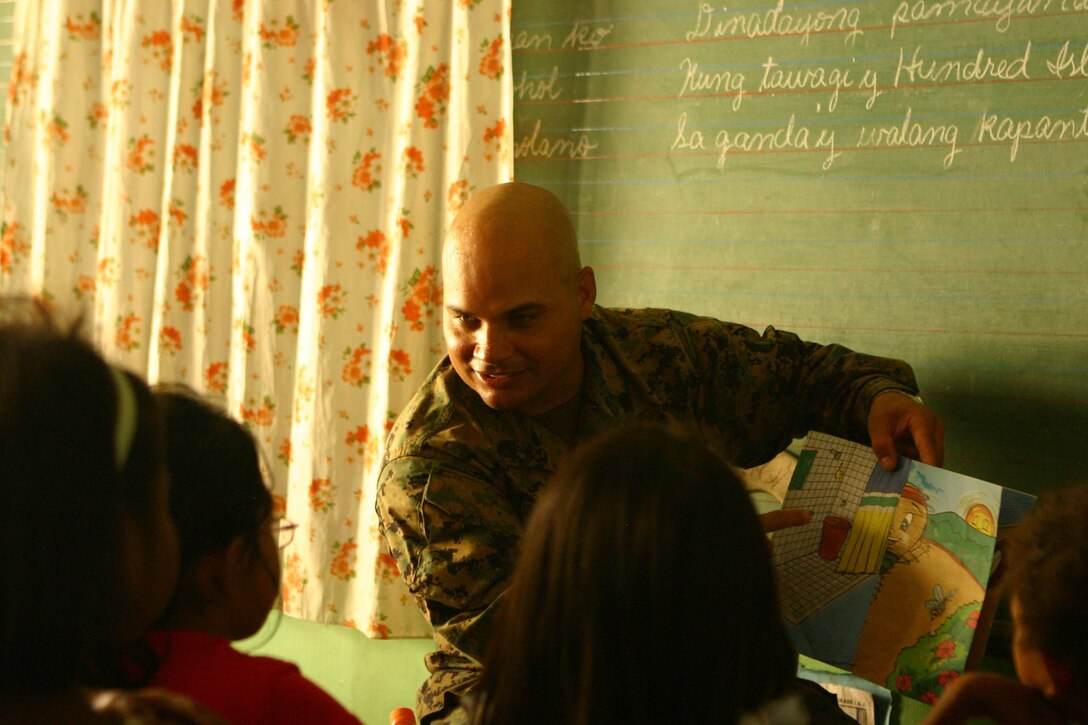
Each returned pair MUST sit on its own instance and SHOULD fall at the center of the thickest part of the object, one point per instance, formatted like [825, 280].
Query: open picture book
[889, 578]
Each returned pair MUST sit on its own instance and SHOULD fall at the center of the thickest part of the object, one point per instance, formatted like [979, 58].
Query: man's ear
[1059, 676]
[587, 291]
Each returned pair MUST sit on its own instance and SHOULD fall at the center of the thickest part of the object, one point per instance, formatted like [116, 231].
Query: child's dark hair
[217, 491]
[1048, 575]
[80, 448]
[643, 567]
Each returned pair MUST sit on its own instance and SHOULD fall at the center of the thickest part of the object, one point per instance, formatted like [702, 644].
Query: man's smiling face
[514, 300]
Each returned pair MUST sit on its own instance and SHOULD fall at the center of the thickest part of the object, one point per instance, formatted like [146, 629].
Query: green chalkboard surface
[908, 178]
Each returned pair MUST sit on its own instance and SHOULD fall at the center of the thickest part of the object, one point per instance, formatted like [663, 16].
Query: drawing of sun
[980, 517]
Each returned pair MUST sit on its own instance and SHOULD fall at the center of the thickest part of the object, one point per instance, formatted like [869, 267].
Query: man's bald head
[515, 221]
[515, 296]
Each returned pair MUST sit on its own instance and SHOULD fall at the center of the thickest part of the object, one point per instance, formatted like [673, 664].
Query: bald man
[535, 367]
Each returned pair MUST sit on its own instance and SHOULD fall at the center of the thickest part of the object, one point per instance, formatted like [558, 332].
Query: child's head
[643, 593]
[230, 567]
[1048, 581]
[88, 550]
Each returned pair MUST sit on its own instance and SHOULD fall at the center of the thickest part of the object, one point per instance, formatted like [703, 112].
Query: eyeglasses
[284, 531]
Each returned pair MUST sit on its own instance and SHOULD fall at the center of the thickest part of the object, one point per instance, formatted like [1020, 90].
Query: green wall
[369, 677]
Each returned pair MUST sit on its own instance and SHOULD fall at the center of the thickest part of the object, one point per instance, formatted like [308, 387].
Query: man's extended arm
[773, 387]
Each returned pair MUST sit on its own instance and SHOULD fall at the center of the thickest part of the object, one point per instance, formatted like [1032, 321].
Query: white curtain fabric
[250, 197]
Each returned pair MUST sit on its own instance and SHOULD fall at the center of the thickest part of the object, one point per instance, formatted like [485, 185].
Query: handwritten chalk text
[980, 68]
[994, 127]
[776, 21]
[538, 90]
[684, 140]
[1067, 65]
[531, 41]
[812, 78]
[582, 35]
[785, 138]
[536, 145]
[912, 134]
[698, 81]
[913, 11]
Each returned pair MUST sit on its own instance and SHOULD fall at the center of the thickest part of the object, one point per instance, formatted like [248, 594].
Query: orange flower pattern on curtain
[250, 197]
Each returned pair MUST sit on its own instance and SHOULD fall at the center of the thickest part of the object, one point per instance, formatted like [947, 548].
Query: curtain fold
[250, 197]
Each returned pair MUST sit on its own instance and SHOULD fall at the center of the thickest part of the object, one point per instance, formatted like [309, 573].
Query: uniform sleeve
[765, 390]
[454, 537]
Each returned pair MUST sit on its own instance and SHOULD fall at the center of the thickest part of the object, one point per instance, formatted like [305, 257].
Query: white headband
[124, 429]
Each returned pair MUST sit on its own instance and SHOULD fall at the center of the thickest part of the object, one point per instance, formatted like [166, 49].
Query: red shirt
[242, 688]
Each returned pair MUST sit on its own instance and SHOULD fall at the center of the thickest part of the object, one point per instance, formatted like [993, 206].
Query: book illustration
[833, 482]
[888, 578]
[872, 521]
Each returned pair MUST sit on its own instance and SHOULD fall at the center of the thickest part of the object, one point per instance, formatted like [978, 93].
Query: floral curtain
[250, 197]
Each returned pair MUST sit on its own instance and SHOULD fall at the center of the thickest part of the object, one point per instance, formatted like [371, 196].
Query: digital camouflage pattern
[460, 478]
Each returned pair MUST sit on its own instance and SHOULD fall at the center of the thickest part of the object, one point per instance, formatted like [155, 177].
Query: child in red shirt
[229, 575]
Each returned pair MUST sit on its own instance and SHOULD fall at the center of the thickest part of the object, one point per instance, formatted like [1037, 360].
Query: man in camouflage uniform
[535, 367]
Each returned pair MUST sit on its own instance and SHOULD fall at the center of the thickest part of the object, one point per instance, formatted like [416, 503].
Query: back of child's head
[230, 572]
[218, 492]
[80, 470]
[643, 593]
[1048, 578]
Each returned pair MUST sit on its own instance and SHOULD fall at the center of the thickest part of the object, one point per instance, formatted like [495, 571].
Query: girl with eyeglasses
[229, 574]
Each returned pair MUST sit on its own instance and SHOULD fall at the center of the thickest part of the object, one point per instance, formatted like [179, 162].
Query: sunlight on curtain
[250, 197]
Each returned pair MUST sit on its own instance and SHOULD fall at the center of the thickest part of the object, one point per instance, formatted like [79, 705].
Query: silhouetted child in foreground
[229, 574]
[1047, 582]
[643, 594]
[88, 552]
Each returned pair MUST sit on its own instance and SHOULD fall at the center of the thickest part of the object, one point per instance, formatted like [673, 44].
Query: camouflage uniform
[459, 478]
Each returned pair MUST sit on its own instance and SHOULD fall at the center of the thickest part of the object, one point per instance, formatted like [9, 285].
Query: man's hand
[899, 425]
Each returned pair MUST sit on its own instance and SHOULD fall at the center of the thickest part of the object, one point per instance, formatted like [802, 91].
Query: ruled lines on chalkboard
[526, 42]
[929, 271]
[907, 177]
[793, 211]
[706, 95]
[772, 92]
[813, 133]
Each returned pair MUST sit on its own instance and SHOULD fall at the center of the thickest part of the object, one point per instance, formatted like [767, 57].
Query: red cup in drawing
[833, 536]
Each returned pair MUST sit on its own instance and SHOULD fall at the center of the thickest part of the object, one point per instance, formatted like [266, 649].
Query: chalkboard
[908, 178]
